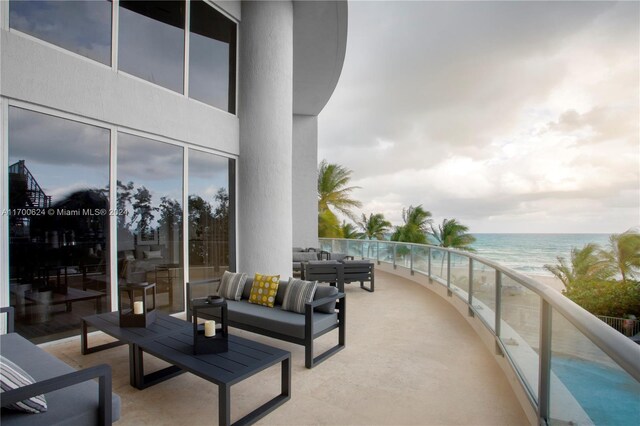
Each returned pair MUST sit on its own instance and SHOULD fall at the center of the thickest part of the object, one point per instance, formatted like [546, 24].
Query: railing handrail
[621, 349]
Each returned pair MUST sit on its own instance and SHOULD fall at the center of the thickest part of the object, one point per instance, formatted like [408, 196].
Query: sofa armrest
[191, 285]
[102, 372]
[10, 317]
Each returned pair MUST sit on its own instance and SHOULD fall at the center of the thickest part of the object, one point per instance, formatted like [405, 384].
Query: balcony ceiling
[319, 45]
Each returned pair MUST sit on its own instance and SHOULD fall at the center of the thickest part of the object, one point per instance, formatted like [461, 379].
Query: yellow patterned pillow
[264, 289]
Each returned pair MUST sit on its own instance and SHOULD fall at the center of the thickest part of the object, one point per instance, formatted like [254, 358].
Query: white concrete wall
[39, 73]
[265, 87]
[231, 7]
[305, 181]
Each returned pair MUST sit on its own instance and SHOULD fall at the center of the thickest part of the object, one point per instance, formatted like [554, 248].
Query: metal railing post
[449, 293]
[470, 295]
[394, 256]
[362, 250]
[498, 302]
[378, 251]
[347, 253]
[429, 263]
[544, 374]
[411, 258]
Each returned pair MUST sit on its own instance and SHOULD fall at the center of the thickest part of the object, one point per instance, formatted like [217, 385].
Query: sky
[508, 116]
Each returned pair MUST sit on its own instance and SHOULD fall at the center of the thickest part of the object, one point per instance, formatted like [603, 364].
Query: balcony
[410, 359]
[447, 338]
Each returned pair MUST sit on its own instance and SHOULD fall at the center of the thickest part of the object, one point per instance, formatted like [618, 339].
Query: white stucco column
[265, 112]
[305, 180]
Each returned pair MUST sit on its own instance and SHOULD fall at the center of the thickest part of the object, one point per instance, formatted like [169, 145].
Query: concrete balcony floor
[411, 358]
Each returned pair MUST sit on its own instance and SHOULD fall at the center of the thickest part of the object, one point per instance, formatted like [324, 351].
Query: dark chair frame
[102, 372]
[354, 272]
[309, 334]
[331, 272]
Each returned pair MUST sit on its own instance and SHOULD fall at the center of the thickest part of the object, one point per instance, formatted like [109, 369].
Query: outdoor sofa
[72, 396]
[325, 313]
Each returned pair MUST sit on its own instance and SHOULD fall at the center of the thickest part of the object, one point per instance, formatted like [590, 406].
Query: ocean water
[528, 253]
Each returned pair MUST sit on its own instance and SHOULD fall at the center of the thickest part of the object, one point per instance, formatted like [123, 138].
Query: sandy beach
[552, 282]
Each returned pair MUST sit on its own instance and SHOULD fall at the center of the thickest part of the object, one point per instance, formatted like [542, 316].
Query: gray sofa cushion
[304, 256]
[338, 256]
[276, 320]
[74, 405]
[325, 291]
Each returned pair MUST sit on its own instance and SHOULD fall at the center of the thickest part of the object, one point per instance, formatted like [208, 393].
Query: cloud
[520, 111]
[81, 26]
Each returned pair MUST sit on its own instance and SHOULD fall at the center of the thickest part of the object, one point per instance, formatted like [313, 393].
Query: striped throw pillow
[14, 377]
[297, 294]
[231, 285]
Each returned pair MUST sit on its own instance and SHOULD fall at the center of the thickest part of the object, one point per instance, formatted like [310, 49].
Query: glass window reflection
[151, 41]
[82, 26]
[150, 233]
[209, 211]
[59, 227]
[212, 46]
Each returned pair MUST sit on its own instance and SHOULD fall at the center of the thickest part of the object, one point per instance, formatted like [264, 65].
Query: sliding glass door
[209, 215]
[149, 193]
[58, 223]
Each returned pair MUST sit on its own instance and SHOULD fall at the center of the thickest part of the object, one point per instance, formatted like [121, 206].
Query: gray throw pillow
[231, 285]
[298, 294]
[14, 377]
[325, 291]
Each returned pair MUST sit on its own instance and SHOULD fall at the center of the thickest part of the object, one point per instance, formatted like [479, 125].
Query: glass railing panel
[370, 249]
[421, 259]
[339, 246]
[587, 386]
[325, 245]
[484, 292]
[460, 274]
[403, 255]
[355, 248]
[439, 265]
[385, 252]
[520, 330]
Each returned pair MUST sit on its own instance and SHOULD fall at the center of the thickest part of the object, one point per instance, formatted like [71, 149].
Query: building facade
[155, 142]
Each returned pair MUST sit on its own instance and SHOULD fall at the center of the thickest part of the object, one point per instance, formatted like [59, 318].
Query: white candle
[209, 328]
[138, 308]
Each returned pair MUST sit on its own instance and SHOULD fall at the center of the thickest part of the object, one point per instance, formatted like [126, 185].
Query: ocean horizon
[527, 253]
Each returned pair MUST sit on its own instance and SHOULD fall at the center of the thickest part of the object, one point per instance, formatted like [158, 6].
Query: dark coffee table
[244, 359]
[171, 339]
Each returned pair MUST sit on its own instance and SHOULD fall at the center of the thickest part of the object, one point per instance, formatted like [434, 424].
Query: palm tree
[414, 230]
[624, 253]
[375, 226]
[348, 230]
[587, 264]
[333, 191]
[453, 234]
[328, 225]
